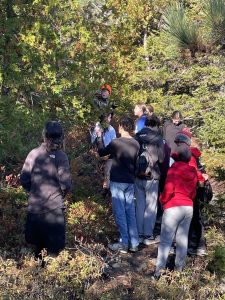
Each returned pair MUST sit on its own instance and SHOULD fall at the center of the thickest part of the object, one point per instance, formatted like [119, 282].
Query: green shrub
[64, 277]
[20, 130]
[217, 264]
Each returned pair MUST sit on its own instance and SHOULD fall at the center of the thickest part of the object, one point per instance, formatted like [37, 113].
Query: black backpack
[144, 161]
[204, 193]
[208, 192]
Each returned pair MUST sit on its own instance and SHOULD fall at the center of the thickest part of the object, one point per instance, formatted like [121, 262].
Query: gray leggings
[146, 192]
[176, 221]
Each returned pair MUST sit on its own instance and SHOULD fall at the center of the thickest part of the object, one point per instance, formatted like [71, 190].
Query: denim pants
[146, 192]
[176, 221]
[124, 212]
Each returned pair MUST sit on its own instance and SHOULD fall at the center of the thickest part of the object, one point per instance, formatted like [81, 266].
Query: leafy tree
[54, 55]
[41, 73]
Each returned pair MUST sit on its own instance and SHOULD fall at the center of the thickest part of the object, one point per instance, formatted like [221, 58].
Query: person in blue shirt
[142, 111]
[108, 131]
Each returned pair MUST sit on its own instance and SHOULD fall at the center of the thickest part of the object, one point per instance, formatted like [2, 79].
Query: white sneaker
[118, 247]
[201, 252]
[198, 251]
[172, 250]
[133, 249]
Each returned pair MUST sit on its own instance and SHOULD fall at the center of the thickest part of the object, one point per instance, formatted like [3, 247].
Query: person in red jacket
[177, 201]
[196, 240]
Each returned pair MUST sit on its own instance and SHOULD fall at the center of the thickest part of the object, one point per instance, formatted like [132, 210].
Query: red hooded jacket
[180, 186]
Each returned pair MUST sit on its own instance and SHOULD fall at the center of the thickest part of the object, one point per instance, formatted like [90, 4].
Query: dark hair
[150, 108]
[184, 153]
[152, 121]
[53, 135]
[185, 157]
[127, 124]
[177, 115]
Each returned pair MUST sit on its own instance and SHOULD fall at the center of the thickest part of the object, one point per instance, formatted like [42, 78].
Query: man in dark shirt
[46, 177]
[124, 151]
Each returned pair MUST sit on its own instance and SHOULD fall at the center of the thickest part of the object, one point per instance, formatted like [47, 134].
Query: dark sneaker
[141, 239]
[151, 240]
[191, 251]
[118, 247]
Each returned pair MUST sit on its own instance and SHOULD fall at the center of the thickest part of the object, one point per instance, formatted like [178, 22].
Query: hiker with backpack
[151, 155]
[46, 177]
[141, 110]
[177, 200]
[123, 151]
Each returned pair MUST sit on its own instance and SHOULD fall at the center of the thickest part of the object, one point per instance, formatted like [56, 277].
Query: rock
[143, 267]
[116, 265]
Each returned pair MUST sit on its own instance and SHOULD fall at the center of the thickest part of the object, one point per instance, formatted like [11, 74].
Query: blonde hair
[142, 106]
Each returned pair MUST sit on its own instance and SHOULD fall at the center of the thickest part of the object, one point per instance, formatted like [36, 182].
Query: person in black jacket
[46, 177]
[146, 187]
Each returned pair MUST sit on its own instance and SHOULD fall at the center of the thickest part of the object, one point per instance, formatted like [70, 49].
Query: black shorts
[46, 230]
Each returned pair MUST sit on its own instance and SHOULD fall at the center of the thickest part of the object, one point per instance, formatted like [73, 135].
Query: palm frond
[179, 28]
[215, 13]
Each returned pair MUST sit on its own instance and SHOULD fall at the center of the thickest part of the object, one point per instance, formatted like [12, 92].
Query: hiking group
[154, 175]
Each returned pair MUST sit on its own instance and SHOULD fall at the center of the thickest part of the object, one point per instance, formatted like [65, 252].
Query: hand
[98, 132]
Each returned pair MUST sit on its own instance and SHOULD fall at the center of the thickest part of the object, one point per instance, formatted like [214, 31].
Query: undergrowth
[81, 270]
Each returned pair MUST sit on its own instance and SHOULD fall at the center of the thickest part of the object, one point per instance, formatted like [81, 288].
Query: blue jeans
[124, 212]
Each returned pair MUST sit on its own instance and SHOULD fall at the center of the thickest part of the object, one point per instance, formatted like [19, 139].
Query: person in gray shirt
[46, 177]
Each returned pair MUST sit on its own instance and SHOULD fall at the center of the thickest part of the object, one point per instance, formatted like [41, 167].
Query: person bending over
[177, 200]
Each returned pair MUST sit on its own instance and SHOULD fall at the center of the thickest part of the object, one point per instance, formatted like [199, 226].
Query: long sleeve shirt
[46, 176]
[123, 152]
